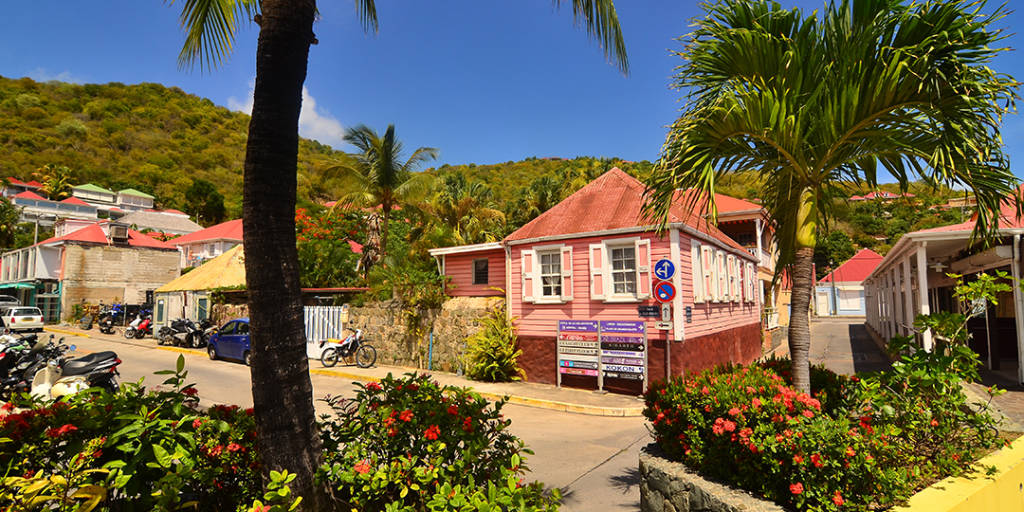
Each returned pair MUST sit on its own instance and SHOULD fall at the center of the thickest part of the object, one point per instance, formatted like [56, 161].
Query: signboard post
[664, 291]
[578, 350]
[624, 350]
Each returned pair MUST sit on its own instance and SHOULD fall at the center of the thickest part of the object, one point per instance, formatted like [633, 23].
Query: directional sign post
[664, 269]
[664, 291]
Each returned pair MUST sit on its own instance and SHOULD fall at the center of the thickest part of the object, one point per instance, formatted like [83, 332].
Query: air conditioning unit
[118, 233]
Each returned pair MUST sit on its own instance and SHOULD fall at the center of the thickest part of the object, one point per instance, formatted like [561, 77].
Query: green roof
[93, 188]
[136, 193]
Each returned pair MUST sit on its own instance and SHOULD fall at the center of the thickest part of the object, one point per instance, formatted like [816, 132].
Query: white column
[759, 228]
[922, 293]
[908, 297]
[897, 301]
[1018, 307]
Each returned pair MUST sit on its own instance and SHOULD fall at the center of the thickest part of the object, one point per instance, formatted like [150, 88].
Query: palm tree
[56, 181]
[464, 211]
[817, 104]
[377, 178]
[282, 391]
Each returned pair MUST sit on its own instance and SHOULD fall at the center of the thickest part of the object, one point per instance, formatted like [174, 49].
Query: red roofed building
[208, 243]
[595, 260]
[100, 262]
[881, 195]
[841, 292]
[15, 186]
[36, 208]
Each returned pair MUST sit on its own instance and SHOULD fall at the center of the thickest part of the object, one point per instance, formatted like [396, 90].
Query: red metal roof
[93, 234]
[614, 200]
[855, 269]
[725, 204]
[230, 230]
[75, 200]
[33, 183]
[14, 181]
[28, 194]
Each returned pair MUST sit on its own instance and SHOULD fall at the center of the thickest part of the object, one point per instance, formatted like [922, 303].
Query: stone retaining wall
[667, 486]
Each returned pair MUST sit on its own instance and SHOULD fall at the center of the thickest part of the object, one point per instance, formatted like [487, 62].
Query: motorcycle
[108, 317]
[183, 333]
[14, 360]
[353, 344]
[140, 327]
[60, 377]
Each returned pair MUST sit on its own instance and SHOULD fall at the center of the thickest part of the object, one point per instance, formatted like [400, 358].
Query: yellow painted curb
[538, 403]
[64, 331]
[978, 492]
[182, 350]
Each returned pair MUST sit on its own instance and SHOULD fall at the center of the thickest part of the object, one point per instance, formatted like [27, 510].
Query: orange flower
[796, 488]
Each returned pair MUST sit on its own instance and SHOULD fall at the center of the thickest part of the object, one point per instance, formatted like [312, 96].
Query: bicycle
[353, 346]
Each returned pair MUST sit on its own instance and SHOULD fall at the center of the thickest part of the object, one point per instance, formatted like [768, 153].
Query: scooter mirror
[72, 348]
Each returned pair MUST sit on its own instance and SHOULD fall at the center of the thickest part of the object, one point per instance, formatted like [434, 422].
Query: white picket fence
[323, 322]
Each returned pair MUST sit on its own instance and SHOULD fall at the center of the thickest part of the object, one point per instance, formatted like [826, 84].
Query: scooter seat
[88, 363]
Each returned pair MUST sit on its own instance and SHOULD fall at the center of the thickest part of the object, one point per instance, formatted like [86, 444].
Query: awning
[22, 286]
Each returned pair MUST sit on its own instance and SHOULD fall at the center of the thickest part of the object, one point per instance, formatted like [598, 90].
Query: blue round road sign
[664, 291]
[664, 269]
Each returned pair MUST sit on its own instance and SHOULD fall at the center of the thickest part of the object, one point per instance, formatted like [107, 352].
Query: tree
[282, 391]
[816, 105]
[56, 181]
[832, 252]
[203, 202]
[377, 178]
[9, 217]
[463, 211]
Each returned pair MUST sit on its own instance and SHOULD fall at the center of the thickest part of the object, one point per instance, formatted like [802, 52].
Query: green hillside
[149, 137]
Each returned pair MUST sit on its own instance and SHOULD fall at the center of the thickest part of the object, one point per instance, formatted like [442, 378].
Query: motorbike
[183, 333]
[141, 326]
[13, 359]
[110, 316]
[60, 376]
[353, 345]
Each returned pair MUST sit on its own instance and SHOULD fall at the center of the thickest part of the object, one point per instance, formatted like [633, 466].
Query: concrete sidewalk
[543, 396]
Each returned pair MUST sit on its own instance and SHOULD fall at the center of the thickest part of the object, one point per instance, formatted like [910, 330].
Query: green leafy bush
[410, 444]
[491, 353]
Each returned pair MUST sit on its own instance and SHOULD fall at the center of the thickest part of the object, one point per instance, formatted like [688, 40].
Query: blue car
[231, 341]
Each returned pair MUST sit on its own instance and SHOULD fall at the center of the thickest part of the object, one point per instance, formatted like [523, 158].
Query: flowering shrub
[152, 450]
[409, 444]
[857, 444]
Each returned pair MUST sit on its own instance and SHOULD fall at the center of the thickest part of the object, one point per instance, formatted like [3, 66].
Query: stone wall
[667, 486]
[94, 273]
[386, 327]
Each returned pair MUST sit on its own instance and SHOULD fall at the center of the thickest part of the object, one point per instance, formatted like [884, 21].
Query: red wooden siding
[459, 269]
[535, 320]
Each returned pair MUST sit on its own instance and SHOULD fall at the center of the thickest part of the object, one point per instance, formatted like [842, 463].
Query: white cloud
[42, 75]
[314, 123]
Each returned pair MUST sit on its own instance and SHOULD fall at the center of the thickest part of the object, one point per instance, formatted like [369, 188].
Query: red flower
[729, 426]
[453, 410]
[190, 391]
[234, 447]
[934, 422]
[467, 424]
[373, 385]
[808, 413]
[432, 432]
[413, 387]
[8, 407]
[816, 460]
[362, 467]
[196, 423]
[798, 459]
[406, 416]
[756, 402]
[704, 390]
[58, 432]
[849, 452]
[838, 499]
[796, 488]
[734, 411]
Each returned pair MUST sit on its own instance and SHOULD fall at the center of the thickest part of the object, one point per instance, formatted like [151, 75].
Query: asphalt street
[591, 459]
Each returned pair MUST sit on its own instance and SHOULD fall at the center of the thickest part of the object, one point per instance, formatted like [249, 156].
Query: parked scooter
[108, 317]
[354, 344]
[183, 333]
[60, 376]
[141, 326]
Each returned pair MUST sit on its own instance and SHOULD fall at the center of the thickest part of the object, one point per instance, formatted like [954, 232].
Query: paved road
[844, 346]
[592, 459]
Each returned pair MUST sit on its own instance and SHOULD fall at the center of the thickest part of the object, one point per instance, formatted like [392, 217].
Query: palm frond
[601, 22]
[367, 11]
[210, 27]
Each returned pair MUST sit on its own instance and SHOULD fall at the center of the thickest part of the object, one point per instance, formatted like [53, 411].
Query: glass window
[229, 328]
[160, 310]
[243, 328]
[202, 307]
[480, 271]
[624, 270]
[551, 273]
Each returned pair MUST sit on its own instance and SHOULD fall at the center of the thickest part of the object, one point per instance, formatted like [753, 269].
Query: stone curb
[537, 403]
[67, 332]
[182, 350]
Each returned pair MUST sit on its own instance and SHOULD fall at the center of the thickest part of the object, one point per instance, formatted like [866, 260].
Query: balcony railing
[56, 207]
[770, 318]
[764, 259]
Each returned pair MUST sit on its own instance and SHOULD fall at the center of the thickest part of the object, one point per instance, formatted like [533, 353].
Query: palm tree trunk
[385, 217]
[281, 388]
[799, 320]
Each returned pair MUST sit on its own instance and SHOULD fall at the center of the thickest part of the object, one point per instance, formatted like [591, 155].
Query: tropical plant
[491, 353]
[461, 212]
[280, 370]
[56, 181]
[203, 202]
[376, 177]
[817, 104]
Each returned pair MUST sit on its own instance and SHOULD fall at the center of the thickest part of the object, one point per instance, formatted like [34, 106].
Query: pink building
[594, 257]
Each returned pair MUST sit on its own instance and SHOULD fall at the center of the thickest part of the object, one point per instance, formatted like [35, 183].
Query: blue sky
[484, 81]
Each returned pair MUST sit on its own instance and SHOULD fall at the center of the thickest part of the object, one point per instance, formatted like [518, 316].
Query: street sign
[666, 312]
[663, 326]
[664, 269]
[647, 311]
[664, 291]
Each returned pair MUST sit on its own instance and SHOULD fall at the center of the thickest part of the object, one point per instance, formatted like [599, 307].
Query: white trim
[675, 253]
[465, 248]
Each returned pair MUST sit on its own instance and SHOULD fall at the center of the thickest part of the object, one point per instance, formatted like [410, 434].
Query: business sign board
[615, 349]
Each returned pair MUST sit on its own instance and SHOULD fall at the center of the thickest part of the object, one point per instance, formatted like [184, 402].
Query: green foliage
[325, 257]
[409, 444]
[278, 497]
[491, 354]
[204, 203]
[832, 250]
[9, 217]
[149, 137]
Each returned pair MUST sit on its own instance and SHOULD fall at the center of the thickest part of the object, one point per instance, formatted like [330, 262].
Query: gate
[323, 322]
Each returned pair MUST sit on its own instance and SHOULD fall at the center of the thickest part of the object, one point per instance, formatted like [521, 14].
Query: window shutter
[567, 280]
[643, 269]
[751, 283]
[721, 292]
[730, 268]
[696, 272]
[528, 259]
[707, 267]
[597, 280]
